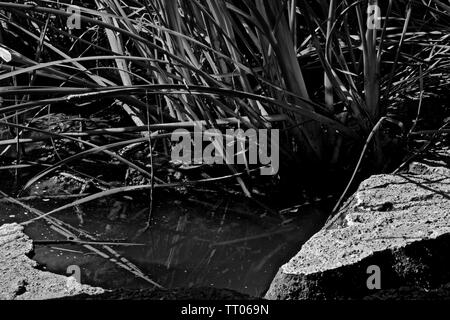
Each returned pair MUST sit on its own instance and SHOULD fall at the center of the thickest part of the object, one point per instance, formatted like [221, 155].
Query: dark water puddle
[226, 242]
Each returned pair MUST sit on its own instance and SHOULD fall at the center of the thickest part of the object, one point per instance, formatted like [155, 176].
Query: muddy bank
[19, 277]
[203, 293]
[398, 223]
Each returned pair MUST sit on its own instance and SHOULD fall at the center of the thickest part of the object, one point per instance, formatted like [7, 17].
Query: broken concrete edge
[21, 280]
[399, 223]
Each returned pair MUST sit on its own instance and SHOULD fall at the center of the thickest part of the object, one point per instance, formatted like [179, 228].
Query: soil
[201, 293]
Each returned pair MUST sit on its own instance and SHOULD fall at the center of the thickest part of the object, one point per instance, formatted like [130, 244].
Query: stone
[400, 223]
[19, 277]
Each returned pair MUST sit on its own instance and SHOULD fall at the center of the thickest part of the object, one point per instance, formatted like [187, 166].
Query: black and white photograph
[230, 157]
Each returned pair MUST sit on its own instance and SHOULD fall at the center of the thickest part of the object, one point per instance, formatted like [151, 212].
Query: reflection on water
[201, 240]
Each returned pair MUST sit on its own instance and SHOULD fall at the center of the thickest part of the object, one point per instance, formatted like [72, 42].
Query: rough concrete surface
[19, 277]
[400, 223]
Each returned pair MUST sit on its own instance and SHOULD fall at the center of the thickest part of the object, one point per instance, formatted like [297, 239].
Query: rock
[19, 277]
[400, 223]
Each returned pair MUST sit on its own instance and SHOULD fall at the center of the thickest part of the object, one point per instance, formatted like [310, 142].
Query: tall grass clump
[312, 69]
